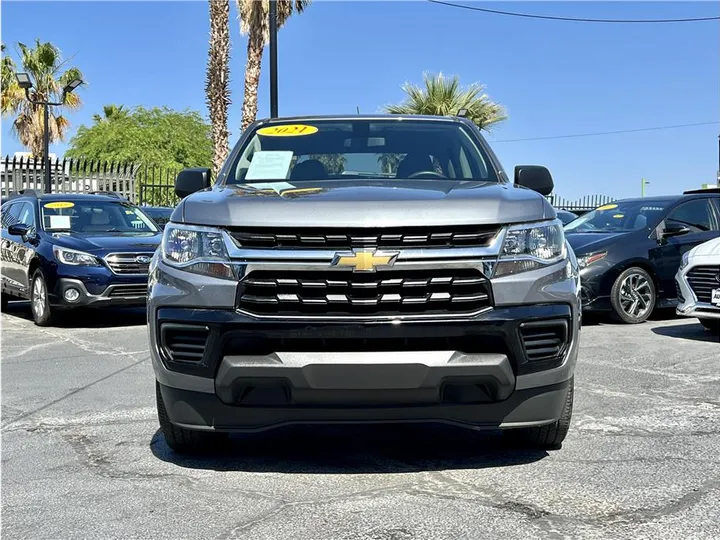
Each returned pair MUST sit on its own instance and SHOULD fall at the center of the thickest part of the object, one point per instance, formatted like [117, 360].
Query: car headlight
[532, 246]
[200, 250]
[587, 260]
[74, 257]
[685, 260]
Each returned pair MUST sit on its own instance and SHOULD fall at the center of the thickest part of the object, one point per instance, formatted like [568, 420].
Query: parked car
[698, 284]
[565, 216]
[64, 251]
[159, 214]
[291, 294]
[630, 250]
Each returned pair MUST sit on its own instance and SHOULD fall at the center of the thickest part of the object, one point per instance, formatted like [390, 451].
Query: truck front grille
[399, 238]
[702, 281]
[129, 263]
[391, 292]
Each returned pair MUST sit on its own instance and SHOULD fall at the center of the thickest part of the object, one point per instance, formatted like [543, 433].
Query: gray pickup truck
[363, 269]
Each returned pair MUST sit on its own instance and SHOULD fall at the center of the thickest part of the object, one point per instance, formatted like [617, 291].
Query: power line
[578, 135]
[573, 19]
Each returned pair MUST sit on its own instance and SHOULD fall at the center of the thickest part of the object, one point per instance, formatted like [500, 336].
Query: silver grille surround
[125, 264]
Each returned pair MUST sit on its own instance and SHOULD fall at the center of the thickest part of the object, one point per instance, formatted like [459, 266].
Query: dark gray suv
[363, 269]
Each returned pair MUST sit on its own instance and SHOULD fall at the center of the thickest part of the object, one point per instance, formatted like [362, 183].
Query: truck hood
[108, 241]
[365, 203]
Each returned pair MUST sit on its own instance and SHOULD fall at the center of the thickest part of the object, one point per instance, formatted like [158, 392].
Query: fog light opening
[72, 295]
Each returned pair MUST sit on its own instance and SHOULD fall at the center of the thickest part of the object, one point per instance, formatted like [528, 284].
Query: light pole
[642, 186]
[273, 60]
[26, 84]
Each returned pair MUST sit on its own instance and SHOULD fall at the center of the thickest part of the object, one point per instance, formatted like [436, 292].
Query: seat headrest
[414, 163]
[312, 169]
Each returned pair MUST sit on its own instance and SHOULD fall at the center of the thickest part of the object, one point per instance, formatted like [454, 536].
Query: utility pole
[643, 183]
[718, 171]
[273, 60]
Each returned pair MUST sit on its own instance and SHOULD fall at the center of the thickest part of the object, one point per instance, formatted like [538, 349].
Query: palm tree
[110, 112]
[217, 91]
[444, 97]
[254, 21]
[44, 65]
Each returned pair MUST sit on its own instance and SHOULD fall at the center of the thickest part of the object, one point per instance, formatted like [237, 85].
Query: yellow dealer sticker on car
[607, 207]
[618, 216]
[287, 130]
[59, 204]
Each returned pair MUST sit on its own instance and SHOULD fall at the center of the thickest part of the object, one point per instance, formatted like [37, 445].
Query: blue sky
[555, 78]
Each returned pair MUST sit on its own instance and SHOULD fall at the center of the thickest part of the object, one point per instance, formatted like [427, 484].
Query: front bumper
[689, 305]
[126, 294]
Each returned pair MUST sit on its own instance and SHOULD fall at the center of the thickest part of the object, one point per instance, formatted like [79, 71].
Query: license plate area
[715, 297]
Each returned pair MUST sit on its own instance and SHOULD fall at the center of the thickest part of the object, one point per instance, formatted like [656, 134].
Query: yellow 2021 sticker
[59, 204]
[287, 130]
[618, 216]
[607, 207]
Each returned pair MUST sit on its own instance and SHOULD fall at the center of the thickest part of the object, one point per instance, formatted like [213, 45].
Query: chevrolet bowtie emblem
[364, 261]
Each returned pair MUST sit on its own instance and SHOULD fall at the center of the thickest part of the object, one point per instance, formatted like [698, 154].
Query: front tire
[633, 296]
[185, 441]
[551, 436]
[711, 324]
[42, 313]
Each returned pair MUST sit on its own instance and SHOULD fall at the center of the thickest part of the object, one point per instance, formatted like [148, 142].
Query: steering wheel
[429, 173]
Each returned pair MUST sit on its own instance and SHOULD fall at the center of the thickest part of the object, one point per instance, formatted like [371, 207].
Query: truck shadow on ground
[353, 450]
[693, 331]
[85, 318]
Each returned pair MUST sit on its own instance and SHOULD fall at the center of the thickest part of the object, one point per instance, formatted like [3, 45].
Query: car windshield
[619, 216]
[360, 149]
[95, 217]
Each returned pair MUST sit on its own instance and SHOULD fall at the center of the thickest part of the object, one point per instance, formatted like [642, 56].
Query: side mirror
[534, 177]
[188, 181]
[18, 230]
[674, 229]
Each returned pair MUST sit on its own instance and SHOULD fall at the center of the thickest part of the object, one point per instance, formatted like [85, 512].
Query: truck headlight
[200, 250]
[74, 257]
[532, 246]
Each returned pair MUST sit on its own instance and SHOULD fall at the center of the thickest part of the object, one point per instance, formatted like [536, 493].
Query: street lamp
[24, 82]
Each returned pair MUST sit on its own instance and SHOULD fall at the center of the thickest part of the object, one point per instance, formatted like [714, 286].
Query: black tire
[4, 298]
[186, 441]
[623, 290]
[42, 313]
[548, 437]
[711, 324]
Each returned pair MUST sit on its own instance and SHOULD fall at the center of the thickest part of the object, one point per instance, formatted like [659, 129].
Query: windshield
[620, 216]
[88, 216]
[360, 149]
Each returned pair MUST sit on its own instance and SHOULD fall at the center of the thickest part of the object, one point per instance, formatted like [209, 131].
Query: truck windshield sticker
[59, 204]
[270, 165]
[607, 207]
[287, 130]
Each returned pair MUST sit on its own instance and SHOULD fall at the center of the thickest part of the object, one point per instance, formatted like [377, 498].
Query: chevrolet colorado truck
[363, 269]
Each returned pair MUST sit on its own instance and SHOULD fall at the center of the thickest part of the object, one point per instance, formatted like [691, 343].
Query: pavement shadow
[85, 317]
[691, 331]
[605, 319]
[356, 450]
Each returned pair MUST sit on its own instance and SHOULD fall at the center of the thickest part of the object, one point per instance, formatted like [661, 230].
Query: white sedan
[698, 284]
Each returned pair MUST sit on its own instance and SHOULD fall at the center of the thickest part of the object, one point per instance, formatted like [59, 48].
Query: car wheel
[550, 436]
[711, 324]
[4, 298]
[40, 301]
[186, 441]
[633, 296]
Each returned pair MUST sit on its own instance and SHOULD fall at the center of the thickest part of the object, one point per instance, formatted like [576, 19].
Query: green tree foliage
[49, 75]
[159, 137]
[444, 96]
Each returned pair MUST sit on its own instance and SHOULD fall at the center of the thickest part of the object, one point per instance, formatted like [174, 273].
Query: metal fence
[579, 206]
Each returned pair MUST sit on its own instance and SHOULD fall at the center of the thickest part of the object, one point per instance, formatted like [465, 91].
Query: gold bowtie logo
[364, 261]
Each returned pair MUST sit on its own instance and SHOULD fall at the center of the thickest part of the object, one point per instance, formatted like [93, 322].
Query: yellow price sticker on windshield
[59, 205]
[607, 207]
[287, 130]
[618, 216]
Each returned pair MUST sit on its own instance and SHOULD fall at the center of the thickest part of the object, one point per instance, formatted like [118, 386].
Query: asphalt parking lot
[82, 457]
